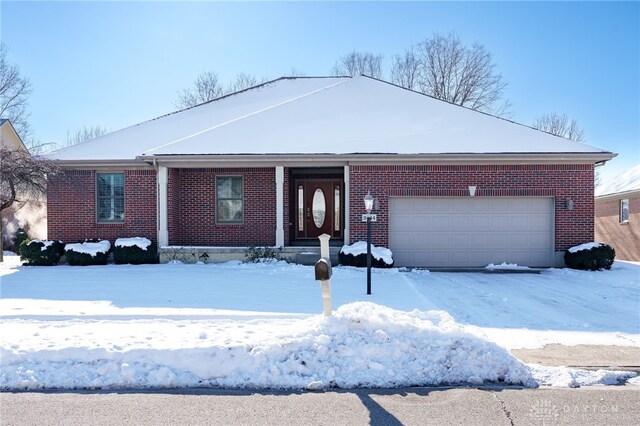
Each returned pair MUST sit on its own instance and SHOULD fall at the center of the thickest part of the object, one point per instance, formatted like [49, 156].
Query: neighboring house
[27, 214]
[288, 160]
[618, 214]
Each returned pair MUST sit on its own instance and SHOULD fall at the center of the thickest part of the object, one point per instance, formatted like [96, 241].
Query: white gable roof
[624, 182]
[323, 116]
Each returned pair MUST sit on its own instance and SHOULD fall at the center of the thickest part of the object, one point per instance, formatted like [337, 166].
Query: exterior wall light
[472, 190]
[569, 203]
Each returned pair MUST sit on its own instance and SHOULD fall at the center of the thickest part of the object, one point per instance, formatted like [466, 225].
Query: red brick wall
[71, 207]
[173, 203]
[195, 223]
[624, 237]
[574, 181]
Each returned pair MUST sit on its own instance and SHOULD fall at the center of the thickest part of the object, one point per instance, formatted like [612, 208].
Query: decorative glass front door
[318, 208]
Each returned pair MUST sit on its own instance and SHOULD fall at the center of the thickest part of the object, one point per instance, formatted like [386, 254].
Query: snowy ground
[256, 325]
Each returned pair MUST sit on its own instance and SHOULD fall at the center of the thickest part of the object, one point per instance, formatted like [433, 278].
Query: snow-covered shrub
[590, 256]
[136, 250]
[88, 253]
[356, 255]
[41, 252]
[255, 254]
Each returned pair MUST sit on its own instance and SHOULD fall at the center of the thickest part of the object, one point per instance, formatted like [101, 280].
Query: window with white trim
[624, 210]
[229, 199]
[110, 197]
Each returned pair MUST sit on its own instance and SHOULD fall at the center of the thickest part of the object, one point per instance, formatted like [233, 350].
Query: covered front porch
[213, 214]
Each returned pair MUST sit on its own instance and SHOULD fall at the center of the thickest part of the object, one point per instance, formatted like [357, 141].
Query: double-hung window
[229, 199]
[624, 210]
[110, 197]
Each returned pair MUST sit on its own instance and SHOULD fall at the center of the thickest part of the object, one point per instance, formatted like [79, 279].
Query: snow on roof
[627, 181]
[340, 115]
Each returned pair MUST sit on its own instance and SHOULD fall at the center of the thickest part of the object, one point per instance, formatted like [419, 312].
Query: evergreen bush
[41, 252]
[356, 255]
[134, 254]
[88, 253]
[596, 258]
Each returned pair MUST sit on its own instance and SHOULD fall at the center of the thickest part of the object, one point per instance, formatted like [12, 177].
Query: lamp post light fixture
[368, 206]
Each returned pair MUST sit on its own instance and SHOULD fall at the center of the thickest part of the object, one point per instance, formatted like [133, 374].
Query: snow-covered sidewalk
[256, 325]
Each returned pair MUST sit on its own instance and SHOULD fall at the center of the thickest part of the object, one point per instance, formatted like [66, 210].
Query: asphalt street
[596, 405]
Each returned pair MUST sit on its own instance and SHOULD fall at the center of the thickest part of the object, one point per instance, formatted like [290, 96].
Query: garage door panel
[539, 222]
[439, 205]
[402, 257]
[400, 240]
[499, 239]
[471, 231]
[540, 240]
[418, 223]
[438, 239]
[482, 205]
[459, 205]
[439, 222]
[419, 242]
[400, 223]
[519, 205]
[499, 205]
[519, 241]
[519, 223]
[459, 223]
[480, 222]
[499, 223]
[480, 241]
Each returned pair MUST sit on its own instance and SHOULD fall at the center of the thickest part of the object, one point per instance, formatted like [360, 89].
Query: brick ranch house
[617, 213]
[283, 162]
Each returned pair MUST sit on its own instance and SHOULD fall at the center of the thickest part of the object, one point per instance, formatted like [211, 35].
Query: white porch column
[163, 228]
[346, 205]
[279, 206]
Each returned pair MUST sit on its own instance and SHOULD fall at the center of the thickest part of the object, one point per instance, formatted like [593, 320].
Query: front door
[319, 208]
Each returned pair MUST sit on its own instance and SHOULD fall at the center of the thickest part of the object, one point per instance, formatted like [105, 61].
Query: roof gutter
[257, 160]
[377, 158]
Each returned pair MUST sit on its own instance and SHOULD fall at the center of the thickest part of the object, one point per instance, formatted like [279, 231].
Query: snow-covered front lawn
[258, 325]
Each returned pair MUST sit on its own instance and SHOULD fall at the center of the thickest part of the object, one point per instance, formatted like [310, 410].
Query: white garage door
[471, 231]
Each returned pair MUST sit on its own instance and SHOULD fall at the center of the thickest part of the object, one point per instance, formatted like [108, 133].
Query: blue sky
[118, 63]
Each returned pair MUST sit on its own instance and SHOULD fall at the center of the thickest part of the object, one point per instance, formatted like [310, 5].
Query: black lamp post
[368, 206]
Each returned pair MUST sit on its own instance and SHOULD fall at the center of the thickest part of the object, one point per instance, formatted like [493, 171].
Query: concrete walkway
[583, 356]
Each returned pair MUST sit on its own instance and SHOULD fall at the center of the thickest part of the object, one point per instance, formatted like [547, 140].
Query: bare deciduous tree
[14, 92]
[22, 177]
[242, 81]
[295, 72]
[565, 127]
[445, 68]
[358, 63]
[405, 69]
[84, 134]
[206, 88]
[560, 125]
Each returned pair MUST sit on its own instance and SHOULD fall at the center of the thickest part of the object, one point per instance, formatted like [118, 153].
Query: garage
[471, 232]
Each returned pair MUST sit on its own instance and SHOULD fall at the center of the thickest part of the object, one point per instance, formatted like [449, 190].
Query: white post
[163, 228]
[346, 205]
[325, 285]
[280, 206]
